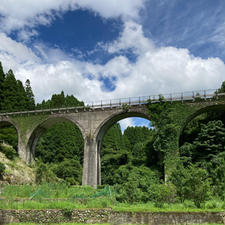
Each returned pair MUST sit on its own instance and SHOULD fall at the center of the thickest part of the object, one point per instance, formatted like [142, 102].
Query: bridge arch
[105, 125]
[205, 109]
[41, 128]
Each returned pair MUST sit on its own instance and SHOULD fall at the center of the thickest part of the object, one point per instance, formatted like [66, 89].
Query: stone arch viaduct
[94, 120]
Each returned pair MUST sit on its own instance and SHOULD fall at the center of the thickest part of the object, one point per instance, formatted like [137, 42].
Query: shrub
[2, 169]
[44, 174]
[9, 151]
[70, 170]
[133, 183]
[162, 193]
[192, 183]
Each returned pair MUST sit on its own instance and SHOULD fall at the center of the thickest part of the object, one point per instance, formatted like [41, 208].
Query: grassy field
[61, 196]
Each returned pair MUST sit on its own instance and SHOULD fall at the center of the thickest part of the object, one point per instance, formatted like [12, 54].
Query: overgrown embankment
[16, 171]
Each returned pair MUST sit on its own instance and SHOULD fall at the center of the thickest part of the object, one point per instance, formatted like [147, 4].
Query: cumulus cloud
[156, 70]
[132, 38]
[23, 14]
[132, 122]
[128, 122]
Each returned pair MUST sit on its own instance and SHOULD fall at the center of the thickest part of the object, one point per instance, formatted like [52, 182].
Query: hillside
[17, 172]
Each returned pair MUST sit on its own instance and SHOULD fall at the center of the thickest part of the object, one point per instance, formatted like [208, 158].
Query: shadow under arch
[6, 123]
[105, 125]
[41, 128]
[219, 107]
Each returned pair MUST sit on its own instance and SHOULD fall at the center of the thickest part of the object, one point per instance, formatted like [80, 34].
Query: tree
[2, 170]
[9, 92]
[70, 170]
[62, 140]
[2, 79]
[222, 88]
[210, 141]
[30, 103]
[59, 100]
[113, 139]
[191, 183]
[133, 183]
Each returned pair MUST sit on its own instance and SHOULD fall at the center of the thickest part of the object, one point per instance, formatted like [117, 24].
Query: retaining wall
[109, 216]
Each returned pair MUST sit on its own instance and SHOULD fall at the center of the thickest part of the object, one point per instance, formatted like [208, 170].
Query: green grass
[47, 191]
[61, 196]
[176, 207]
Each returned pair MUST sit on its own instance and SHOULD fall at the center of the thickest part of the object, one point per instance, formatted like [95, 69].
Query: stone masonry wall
[108, 216]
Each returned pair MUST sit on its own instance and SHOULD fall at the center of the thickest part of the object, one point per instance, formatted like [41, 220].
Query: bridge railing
[179, 96]
[172, 97]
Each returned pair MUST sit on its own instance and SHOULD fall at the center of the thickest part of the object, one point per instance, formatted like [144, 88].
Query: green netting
[104, 192]
[38, 194]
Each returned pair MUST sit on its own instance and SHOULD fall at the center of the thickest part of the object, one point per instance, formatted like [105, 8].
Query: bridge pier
[90, 163]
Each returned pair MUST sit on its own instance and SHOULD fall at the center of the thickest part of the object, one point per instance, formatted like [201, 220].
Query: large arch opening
[127, 149]
[8, 139]
[202, 144]
[57, 146]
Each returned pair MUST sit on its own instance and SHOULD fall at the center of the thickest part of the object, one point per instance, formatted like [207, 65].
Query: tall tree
[2, 79]
[30, 104]
[9, 92]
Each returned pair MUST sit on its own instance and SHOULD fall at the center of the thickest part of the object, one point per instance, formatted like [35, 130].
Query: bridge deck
[131, 101]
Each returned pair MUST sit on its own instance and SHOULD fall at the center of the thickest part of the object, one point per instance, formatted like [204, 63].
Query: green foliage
[162, 193]
[44, 174]
[111, 161]
[2, 169]
[30, 103]
[191, 183]
[60, 101]
[206, 148]
[62, 140]
[222, 88]
[210, 141]
[14, 96]
[9, 151]
[8, 134]
[112, 139]
[69, 170]
[134, 183]
[133, 147]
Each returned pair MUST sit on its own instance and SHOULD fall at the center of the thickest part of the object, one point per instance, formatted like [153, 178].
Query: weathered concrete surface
[92, 216]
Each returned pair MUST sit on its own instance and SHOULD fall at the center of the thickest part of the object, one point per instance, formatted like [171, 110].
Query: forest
[131, 161]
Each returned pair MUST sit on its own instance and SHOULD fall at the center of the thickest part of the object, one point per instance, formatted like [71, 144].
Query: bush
[192, 183]
[44, 174]
[162, 193]
[9, 151]
[70, 170]
[2, 169]
[133, 183]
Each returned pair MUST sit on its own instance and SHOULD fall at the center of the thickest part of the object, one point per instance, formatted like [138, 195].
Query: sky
[108, 49]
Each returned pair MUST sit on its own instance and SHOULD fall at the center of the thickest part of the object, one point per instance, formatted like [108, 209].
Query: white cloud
[132, 122]
[132, 38]
[156, 70]
[128, 122]
[18, 15]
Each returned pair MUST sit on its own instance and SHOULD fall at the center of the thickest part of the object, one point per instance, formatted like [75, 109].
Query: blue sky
[101, 49]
